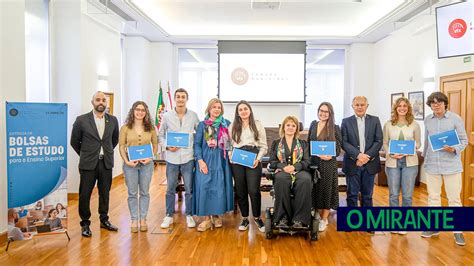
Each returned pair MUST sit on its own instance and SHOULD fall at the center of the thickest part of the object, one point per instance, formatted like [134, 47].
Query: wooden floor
[228, 246]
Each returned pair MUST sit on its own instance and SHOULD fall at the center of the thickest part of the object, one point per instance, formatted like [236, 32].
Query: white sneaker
[167, 221]
[323, 224]
[190, 221]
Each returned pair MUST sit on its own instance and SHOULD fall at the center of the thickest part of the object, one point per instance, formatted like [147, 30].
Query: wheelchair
[270, 225]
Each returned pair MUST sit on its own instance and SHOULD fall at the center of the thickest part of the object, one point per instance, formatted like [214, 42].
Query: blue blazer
[351, 145]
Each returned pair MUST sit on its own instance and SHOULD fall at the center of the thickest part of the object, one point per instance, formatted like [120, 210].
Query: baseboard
[116, 180]
[72, 196]
[3, 237]
[423, 186]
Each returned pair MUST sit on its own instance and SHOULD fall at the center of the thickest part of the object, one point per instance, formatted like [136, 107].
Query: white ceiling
[316, 21]
[293, 18]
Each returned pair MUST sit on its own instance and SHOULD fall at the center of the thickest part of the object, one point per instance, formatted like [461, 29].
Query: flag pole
[160, 107]
[169, 96]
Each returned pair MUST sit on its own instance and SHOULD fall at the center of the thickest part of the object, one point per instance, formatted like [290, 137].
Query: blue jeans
[362, 182]
[405, 177]
[138, 179]
[172, 171]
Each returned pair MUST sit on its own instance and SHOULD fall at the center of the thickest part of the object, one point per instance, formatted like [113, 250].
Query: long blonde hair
[409, 116]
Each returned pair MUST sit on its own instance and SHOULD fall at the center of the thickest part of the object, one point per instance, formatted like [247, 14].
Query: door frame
[466, 156]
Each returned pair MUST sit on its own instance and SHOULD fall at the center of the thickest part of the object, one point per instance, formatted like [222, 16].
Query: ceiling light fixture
[265, 4]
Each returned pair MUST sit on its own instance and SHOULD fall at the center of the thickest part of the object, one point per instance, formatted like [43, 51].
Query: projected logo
[240, 76]
[457, 28]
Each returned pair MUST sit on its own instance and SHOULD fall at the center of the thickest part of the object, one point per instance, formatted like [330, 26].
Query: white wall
[453, 65]
[402, 69]
[360, 66]
[66, 70]
[37, 51]
[161, 69]
[405, 60]
[145, 65]
[78, 60]
[101, 54]
[12, 80]
[136, 70]
[82, 49]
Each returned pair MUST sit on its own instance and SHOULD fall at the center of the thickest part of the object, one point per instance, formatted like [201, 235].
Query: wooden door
[460, 91]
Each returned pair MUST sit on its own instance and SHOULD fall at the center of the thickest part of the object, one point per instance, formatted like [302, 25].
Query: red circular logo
[457, 28]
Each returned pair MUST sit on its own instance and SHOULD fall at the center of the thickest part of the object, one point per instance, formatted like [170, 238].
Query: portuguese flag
[160, 109]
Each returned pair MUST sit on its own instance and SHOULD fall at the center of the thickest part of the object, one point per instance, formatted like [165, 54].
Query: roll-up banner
[36, 168]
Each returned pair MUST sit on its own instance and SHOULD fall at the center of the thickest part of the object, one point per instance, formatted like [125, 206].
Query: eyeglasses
[436, 103]
[140, 110]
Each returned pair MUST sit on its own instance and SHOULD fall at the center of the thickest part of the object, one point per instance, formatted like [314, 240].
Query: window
[37, 50]
[324, 82]
[197, 72]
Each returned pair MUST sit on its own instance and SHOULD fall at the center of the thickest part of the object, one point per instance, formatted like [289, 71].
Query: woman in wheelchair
[290, 159]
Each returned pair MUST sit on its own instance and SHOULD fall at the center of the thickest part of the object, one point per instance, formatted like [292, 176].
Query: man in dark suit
[362, 139]
[94, 137]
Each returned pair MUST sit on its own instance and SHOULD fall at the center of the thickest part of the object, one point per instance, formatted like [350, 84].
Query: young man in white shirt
[179, 160]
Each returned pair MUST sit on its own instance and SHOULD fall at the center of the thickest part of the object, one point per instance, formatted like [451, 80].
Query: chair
[272, 134]
[271, 227]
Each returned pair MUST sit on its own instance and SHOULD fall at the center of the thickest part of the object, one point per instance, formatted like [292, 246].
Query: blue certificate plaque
[450, 138]
[177, 139]
[242, 157]
[406, 147]
[323, 148]
[140, 152]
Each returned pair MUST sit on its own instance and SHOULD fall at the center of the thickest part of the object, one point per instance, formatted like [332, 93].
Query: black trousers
[247, 183]
[297, 208]
[103, 177]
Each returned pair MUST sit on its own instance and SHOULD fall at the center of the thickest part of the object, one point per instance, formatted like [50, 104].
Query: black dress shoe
[107, 225]
[86, 231]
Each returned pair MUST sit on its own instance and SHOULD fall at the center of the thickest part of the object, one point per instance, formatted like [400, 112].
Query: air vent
[265, 5]
[111, 6]
[418, 10]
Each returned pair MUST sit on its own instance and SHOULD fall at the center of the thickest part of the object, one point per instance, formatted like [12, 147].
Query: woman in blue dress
[213, 190]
